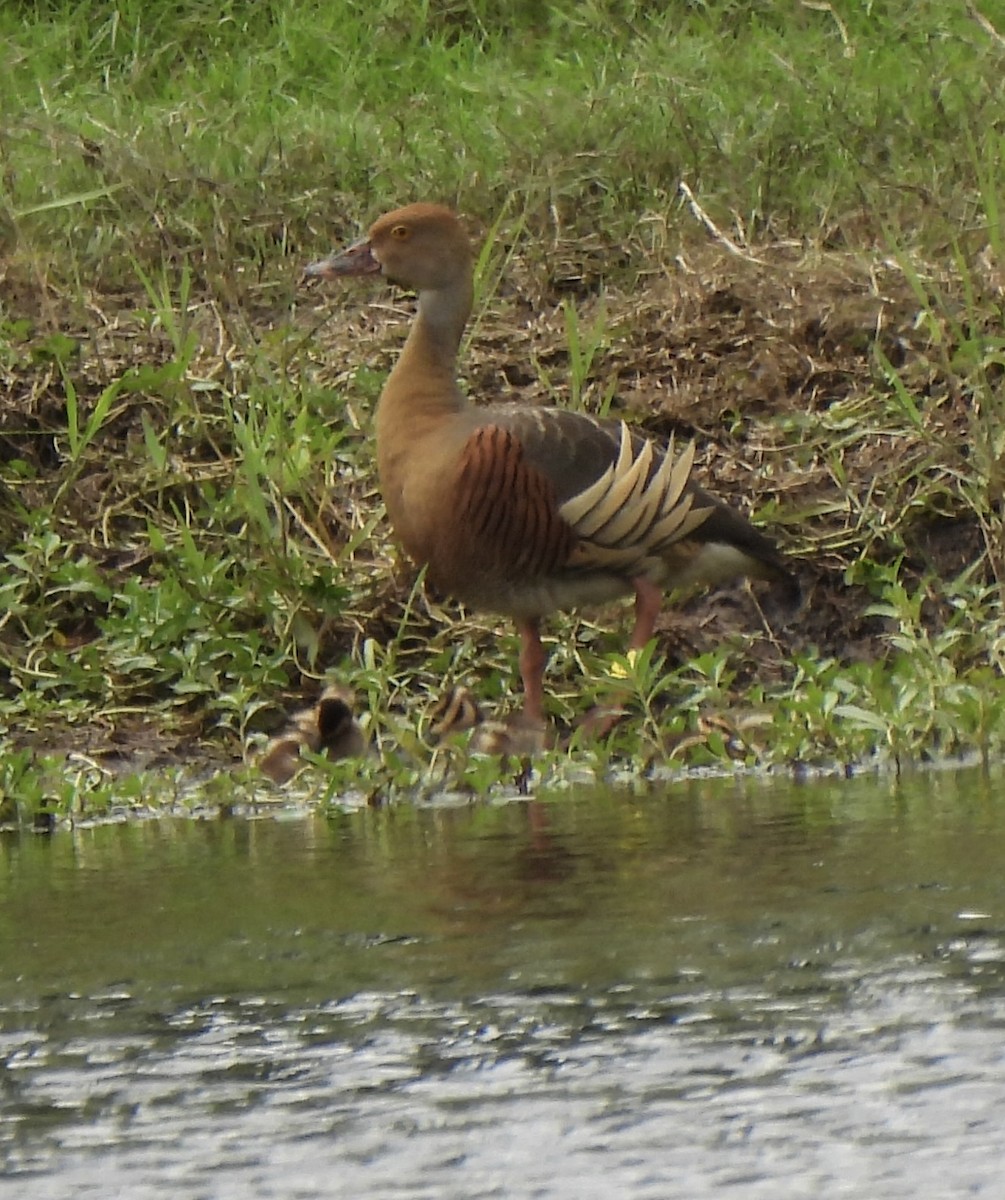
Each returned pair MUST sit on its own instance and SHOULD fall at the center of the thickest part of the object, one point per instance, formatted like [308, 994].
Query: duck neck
[424, 377]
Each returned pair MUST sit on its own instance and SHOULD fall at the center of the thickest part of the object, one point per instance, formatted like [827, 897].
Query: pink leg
[532, 661]
[648, 602]
[599, 721]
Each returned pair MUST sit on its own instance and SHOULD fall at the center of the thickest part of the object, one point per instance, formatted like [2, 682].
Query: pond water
[722, 988]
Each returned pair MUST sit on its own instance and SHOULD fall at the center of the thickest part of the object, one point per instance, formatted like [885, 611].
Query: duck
[458, 712]
[522, 510]
[327, 727]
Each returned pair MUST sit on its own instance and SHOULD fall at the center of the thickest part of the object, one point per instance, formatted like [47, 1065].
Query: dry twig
[704, 219]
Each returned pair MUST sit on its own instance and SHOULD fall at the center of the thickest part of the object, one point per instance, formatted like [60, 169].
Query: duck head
[422, 247]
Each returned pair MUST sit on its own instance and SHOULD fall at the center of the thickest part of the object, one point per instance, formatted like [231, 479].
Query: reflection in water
[765, 990]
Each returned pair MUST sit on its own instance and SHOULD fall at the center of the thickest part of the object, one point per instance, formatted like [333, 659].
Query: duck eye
[400, 232]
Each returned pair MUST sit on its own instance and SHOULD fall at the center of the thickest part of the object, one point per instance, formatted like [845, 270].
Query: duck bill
[357, 260]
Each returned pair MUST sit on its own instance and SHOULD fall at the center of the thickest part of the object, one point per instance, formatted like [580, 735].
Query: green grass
[186, 488]
[230, 133]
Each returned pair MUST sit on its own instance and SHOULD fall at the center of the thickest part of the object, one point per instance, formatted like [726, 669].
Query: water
[731, 988]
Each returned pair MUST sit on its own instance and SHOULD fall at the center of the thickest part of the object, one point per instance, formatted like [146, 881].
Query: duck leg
[648, 602]
[602, 718]
[532, 663]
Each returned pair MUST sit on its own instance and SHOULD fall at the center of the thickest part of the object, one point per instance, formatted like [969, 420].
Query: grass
[187, 504]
